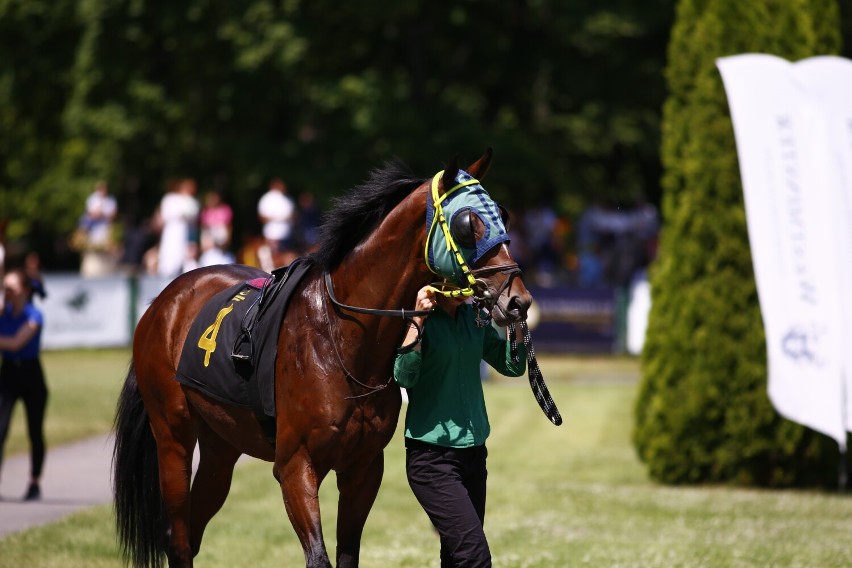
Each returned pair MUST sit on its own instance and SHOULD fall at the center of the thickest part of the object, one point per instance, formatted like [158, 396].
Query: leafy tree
[318, 92]
[703, 414]
[35, 82]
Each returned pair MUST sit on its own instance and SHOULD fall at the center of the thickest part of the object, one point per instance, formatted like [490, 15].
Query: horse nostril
[518, 307]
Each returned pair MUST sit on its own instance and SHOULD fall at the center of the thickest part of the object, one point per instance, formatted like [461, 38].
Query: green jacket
[446, 406]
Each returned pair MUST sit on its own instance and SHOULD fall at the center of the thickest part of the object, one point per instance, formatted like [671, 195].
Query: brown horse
[333, 363]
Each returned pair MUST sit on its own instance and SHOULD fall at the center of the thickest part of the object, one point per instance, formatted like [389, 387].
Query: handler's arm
[406, 367]
[425, 301]
[20, 339]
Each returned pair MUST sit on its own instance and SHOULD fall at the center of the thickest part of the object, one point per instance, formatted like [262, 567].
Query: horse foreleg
[300, 489]
[212, 481]
[358, 489]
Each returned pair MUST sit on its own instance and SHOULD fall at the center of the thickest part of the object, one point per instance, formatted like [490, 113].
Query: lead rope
[539, 388]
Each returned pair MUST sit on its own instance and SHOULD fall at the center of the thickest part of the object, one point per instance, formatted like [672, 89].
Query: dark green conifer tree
[703, 414]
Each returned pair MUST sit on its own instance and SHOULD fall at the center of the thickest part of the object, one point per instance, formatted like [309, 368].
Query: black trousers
[24, 380]
[450, 484]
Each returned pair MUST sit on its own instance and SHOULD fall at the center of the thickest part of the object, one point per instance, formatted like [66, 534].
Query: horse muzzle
[509, 301]
[511, 308]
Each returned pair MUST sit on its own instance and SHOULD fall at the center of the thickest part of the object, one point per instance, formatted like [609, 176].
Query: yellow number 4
[207, 341]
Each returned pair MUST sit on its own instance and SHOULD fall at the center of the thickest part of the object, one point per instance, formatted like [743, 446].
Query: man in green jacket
[446, 424]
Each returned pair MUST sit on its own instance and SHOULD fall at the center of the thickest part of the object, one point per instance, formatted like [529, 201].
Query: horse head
[468, 243]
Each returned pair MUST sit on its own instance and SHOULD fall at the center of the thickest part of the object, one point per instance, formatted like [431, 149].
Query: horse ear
[480, 167]
[449, 178]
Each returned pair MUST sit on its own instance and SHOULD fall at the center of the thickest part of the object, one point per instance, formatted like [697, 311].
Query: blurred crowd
[186, 233]
[606, 246]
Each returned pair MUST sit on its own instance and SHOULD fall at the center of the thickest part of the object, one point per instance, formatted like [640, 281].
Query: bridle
[487, 296]
[485, 302]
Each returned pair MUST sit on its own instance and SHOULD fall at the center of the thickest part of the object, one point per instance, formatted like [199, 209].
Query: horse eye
[504, 216]
[462, 228]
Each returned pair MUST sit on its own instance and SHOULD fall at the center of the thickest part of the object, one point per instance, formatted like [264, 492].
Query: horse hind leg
[176, 436]
[212, 481]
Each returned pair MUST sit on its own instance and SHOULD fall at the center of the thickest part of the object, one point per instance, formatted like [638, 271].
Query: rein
[370, 388]
[539, 388]
[401, 313]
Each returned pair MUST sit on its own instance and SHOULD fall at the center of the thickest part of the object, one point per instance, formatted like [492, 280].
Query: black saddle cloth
[230, 351]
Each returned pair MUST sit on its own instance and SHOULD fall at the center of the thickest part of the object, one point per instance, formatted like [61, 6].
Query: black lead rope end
[537, 384]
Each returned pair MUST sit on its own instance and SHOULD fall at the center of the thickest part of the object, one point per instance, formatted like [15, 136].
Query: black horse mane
[356, 214]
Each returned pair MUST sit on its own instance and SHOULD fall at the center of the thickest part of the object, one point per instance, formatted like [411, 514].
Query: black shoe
[33, 493]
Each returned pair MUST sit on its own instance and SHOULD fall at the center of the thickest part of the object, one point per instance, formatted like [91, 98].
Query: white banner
[831, 78]
[637, 315]
[80, 312]
[794, 198]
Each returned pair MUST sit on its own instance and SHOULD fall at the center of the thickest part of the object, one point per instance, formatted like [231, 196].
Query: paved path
[75, 476]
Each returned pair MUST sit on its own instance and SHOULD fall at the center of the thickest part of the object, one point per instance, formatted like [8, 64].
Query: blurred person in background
[21, 373]
[96, 226]
[539, 226]
[32, 269]
[212, 252]
[276, 212]
[310, 218]
[3, 223]
[138, 239]
[101, 209]
[216, 219]
[178, 214]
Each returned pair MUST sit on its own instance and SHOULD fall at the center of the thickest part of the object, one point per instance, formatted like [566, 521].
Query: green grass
[568, 496]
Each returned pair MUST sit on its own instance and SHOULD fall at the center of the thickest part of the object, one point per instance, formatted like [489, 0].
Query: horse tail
[140, 516]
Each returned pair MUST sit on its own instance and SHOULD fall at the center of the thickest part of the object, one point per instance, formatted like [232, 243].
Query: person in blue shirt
[21, 373]
[446, 424]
